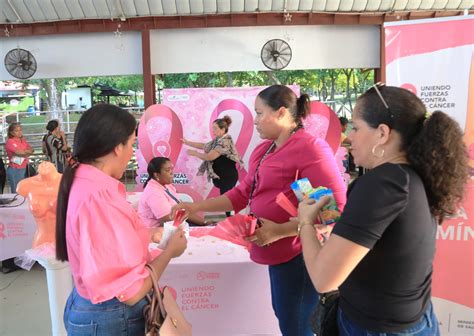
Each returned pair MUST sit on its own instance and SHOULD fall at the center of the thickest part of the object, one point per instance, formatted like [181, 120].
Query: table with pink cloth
[17, 227]
[220, 290]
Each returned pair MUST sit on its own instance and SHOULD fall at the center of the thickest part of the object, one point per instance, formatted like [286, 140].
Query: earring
[378, 155]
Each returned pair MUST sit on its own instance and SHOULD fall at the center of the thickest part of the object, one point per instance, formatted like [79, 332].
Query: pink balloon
[42, 192]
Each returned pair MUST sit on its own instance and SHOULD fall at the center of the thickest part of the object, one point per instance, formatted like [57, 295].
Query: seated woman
[159, 195]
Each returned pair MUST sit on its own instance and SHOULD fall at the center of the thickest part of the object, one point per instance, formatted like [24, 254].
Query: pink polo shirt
[11, 146]
[314, 159]
[107, 243]
[155, 203]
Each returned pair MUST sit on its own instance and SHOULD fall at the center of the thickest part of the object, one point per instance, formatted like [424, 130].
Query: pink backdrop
[189, 113]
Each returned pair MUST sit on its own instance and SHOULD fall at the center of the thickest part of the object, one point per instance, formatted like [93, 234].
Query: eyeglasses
[376, 87]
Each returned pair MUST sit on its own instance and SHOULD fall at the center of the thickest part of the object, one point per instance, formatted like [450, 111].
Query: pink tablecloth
[17, 227]
[220, 290]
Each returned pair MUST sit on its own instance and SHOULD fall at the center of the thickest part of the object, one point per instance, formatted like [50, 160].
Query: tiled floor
[24, 307]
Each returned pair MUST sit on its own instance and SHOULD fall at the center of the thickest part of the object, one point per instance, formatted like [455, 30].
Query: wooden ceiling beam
[221, 20]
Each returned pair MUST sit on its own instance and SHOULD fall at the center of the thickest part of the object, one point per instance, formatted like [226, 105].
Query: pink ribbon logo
[333, 128]
[161, 147]
[2, 230]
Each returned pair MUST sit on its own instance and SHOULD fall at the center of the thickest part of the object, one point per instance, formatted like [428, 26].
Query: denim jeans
[426, 326]
[14, 176]
[293, 297]
[109, 318]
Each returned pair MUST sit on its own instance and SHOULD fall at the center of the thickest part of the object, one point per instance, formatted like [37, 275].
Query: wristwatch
[300, 226]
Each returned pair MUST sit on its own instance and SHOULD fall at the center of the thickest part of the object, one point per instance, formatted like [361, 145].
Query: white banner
[434, 59]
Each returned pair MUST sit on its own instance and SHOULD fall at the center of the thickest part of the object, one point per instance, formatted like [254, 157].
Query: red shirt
[13, 145]
[314, 159]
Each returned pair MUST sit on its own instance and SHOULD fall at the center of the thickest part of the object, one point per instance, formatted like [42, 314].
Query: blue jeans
[109, 318]
[293, 297]
[426, 326]
[14, 176]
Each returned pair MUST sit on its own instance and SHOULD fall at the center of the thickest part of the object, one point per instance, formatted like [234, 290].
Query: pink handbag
[162, 314]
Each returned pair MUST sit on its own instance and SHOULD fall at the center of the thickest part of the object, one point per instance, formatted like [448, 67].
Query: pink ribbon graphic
[170, 148]
[2, 230]
[333, 134]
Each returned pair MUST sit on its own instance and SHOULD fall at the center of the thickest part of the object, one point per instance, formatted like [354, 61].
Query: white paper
[17, 160]
[168, 230]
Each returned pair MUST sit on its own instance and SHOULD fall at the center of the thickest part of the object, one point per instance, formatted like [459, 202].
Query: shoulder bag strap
[157, 292]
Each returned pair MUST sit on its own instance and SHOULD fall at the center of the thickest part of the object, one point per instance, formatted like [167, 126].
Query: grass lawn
[21, 107]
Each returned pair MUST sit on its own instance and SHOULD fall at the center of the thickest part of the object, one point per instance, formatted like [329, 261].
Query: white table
[220, 290]
[17, 228]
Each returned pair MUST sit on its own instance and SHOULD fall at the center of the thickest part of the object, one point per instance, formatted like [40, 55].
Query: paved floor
[24, 307]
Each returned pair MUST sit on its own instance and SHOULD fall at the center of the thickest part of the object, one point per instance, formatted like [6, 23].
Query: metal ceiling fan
[20, 63]
[276, 54]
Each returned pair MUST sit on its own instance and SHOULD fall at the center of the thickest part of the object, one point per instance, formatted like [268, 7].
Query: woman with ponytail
[101, 235]
[287, 151]
[380, 253]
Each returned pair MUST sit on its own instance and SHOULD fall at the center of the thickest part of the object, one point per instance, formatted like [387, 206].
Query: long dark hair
[154, 166]
[52, 125]
[434, 146]
[91, 141]
[277, 96]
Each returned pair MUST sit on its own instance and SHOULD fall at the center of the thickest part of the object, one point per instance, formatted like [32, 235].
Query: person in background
[18, 151]
[101, 235]
[380, 253]
[344, 139]
[288, 151]
[54, 145]
[3, 175]
[220, 157]
[159, 195]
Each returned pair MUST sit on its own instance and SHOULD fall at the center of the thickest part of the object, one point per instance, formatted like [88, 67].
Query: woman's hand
[156, 234]
[266, 234]
[309, 209]
[177, 244]
[190, 208]
[191, 152]
[323, 229]
[185, 142]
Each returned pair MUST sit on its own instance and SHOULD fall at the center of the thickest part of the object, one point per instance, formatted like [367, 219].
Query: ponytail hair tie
[74, 162]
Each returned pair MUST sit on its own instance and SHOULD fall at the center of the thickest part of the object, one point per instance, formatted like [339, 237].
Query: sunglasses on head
[376, 87]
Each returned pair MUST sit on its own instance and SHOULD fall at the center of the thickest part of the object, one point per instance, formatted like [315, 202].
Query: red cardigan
[314, 159]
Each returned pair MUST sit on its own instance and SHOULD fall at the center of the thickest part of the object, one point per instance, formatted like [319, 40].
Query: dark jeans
[224, 185]
[426, 326]
[109, 318]
[15, 175]
[293, 297]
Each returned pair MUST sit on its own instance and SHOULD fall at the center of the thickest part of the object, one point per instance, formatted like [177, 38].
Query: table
[17, 227]
[220, 290]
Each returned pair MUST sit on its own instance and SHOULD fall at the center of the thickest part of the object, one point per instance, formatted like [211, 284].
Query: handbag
[323, 320]
[162, 314]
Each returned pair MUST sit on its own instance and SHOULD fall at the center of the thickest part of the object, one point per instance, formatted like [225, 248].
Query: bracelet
[301, 226]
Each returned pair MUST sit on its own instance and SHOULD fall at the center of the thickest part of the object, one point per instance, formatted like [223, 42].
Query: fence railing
[34, 123]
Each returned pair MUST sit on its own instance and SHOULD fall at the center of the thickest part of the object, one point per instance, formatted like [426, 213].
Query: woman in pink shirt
[101, 235]
[288, 150]
[18, 151]
[159, 195]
